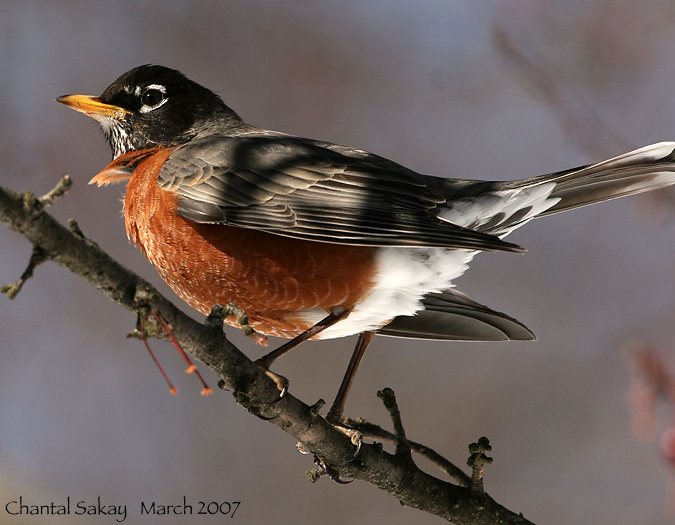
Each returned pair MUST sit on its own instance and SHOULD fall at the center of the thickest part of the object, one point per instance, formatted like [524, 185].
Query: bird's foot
[279, 380]
[334, 417]
[331, 471]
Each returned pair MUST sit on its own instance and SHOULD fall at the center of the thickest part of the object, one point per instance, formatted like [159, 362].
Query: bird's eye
[152, 97]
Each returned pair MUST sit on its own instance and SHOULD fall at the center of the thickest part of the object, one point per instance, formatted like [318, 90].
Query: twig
[59, 191]
[33, 205]
[374, 431]
[477, 461]
[38, 256]
[388, 398]
[219, 312]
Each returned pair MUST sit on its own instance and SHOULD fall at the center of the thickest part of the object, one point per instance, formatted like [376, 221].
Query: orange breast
[269, 276]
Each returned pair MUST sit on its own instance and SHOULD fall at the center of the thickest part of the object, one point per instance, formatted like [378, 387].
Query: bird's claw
[279, 380]
[354, 435]
[331, 471]
[282, 385]
[256, 412]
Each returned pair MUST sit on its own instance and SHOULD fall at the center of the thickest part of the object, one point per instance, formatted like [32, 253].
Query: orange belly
[272, 278]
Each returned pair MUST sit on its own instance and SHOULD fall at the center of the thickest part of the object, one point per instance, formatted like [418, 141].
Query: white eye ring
[146, 108]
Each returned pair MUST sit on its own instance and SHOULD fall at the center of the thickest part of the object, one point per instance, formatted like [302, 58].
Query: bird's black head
[154, 106]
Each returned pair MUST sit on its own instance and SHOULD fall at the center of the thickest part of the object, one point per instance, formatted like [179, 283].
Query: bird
[315, 240]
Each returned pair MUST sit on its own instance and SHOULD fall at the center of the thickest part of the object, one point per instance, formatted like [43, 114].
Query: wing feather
[312, 190]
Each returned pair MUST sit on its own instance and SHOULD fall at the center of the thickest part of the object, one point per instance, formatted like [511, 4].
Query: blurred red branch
[652, 385]
[582, 126]
[576, 118]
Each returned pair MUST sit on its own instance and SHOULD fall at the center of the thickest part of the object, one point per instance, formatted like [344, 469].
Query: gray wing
[453, 316]
[312, 190]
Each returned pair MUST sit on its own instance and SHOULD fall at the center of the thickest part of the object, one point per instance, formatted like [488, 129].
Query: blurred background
[471, 89]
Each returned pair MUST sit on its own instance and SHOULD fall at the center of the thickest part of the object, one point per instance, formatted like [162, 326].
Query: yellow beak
[92, 106]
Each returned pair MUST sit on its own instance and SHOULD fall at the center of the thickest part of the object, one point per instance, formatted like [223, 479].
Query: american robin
[313, 239]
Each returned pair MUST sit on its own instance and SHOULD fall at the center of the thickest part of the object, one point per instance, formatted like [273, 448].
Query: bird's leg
[334, 416]
[336, 315]
[335, 413]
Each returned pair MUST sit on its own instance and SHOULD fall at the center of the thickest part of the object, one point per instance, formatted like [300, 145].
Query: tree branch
[394, 473]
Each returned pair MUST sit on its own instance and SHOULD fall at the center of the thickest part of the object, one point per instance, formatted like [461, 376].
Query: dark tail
[498, 208]
[646, 169]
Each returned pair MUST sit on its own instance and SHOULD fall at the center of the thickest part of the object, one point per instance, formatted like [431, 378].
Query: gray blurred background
[474, 89]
